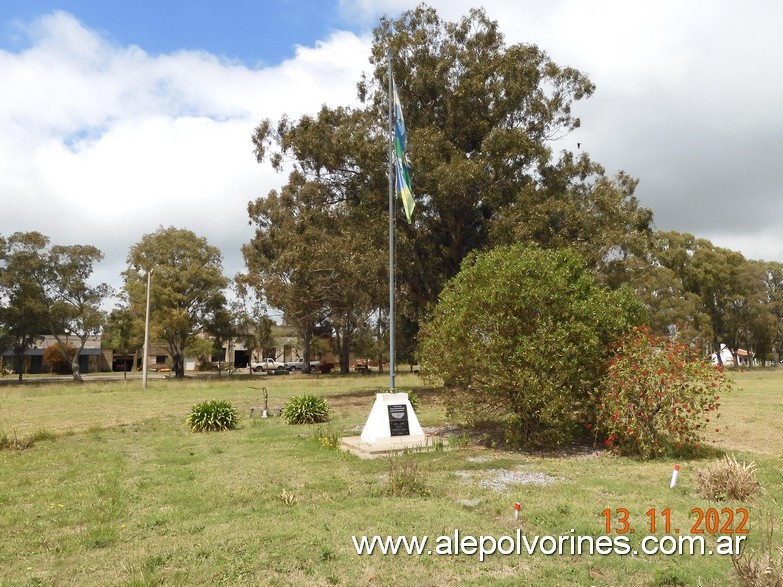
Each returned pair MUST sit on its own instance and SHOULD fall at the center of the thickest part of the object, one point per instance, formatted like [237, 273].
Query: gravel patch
[500, 479]
[469, 503]
[478, 459]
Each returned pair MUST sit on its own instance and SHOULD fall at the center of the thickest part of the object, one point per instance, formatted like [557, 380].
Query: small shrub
[212, 415]
[669, 578]
[305, 409]
[763, 566]
[54, 359]
[658, 397]
[42, 435]
[13, 441]
[327, 438]
[461, 440]
[729, 479]
[288, 498]
[405, 479]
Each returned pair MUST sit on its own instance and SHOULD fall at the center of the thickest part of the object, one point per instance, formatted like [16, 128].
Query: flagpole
[391, 229]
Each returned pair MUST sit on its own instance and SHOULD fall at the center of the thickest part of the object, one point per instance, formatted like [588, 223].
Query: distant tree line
[44, 289]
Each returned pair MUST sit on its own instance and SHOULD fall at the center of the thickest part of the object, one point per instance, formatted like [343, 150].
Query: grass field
[114, 490]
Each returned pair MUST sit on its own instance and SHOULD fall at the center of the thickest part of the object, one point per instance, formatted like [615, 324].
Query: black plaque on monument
[398, 420]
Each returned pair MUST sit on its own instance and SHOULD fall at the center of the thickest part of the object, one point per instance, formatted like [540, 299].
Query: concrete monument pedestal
[391, 427]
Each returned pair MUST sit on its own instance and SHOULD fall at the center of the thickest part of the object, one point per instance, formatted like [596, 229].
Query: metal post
[145, 359]
[391, 228]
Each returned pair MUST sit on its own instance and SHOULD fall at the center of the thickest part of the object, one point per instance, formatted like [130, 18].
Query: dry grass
[763, 566]
[405, 477]
[727, 478]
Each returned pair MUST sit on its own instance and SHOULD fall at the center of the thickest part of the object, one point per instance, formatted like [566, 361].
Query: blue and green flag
[402, 165]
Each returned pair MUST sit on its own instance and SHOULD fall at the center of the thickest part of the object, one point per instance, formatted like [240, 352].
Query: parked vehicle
[297, 365]
[267, 364]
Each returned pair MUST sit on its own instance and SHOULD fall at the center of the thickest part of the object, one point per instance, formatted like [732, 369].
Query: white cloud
[100, 144]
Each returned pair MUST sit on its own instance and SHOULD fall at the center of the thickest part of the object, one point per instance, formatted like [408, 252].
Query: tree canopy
[46, 290]
[482, 119]
[187, 286]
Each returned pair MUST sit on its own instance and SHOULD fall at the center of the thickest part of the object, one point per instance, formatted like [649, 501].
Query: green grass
[113, 490]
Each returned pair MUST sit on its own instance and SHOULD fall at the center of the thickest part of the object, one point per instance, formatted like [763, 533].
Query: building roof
[39, 352]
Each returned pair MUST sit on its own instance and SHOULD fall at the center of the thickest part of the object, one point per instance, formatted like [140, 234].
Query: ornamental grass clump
[305, 409]
[212, 415]
[761, 565]
[729, 479]
[658, 397]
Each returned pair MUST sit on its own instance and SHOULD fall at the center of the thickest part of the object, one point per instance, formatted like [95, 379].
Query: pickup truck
[267, 364]
[297, 365]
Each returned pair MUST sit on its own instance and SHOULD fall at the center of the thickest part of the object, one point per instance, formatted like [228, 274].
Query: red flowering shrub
[53, 357]
[658, 396]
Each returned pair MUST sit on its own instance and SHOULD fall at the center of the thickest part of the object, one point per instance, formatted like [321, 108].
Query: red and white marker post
[517, 507]
[675, 473]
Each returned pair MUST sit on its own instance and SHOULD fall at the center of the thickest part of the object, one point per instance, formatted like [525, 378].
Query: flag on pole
[402, 165]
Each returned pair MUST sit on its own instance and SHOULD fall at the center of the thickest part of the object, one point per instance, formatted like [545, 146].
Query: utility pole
[147, 330]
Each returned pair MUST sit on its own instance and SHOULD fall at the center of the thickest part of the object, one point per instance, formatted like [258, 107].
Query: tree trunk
[380, 342]
[230, 352]
[179, 365]
[19, 366]
[77, 376]
[345, 355]
[306, 346]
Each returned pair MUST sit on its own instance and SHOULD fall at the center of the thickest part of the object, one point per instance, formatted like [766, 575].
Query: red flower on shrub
[684, 378]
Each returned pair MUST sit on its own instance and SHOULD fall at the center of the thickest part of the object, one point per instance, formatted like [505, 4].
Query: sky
[117, 118]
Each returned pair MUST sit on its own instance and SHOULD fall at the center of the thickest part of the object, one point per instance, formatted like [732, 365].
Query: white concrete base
[378, 429]
[389, 446]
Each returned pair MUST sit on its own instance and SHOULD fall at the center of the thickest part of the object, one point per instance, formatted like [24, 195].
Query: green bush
[522, 337]
[305, 409]
[212, 415]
